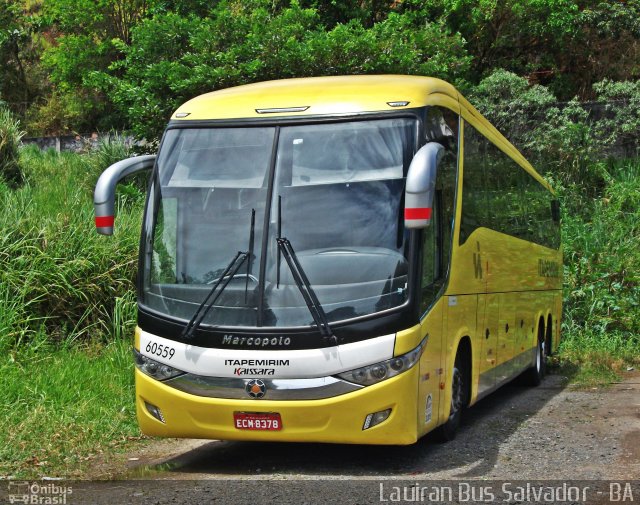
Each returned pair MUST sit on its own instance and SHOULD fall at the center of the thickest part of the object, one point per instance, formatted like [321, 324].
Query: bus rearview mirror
[104, 195]
[421, 184]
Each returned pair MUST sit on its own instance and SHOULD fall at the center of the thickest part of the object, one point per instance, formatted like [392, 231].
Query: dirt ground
[552, 433]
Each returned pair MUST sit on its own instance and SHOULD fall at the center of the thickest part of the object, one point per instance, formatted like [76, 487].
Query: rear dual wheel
[534, 375]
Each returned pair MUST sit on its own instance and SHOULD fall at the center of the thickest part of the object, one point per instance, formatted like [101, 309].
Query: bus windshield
[333, 190]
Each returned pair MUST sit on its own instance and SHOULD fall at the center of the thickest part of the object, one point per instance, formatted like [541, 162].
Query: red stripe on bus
[104, 221]
[419, 213]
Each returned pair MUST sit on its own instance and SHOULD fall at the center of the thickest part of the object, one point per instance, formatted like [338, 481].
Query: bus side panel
[469, 265]
[506, 334]
[529, 306]
[488, 320]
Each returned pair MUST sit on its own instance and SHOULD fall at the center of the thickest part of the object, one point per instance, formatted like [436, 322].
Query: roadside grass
[591, 367]
[62, 406]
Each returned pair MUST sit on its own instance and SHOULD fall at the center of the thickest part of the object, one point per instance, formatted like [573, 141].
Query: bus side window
[507, 206]
[499, 194]
[474, 187]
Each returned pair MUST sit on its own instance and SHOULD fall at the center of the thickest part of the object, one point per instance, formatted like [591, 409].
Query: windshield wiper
[302, 282]
[214, 293]
[222, 282]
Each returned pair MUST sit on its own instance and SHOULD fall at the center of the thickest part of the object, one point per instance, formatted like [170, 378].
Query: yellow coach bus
[342, 259]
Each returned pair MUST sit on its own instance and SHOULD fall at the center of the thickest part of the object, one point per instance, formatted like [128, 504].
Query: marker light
[371, 374]
[376, 418]
[154, 369]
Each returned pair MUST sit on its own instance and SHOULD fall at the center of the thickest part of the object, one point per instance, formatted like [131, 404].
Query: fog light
[376, 418]
[155, 412]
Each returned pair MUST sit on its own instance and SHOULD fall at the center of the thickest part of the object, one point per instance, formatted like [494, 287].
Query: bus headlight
[371, 374]
[154, 369]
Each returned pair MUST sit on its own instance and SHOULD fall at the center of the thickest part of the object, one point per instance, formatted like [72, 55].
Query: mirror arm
[104, 195]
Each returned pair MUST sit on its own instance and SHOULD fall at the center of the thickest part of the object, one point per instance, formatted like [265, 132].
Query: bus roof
[316, 96]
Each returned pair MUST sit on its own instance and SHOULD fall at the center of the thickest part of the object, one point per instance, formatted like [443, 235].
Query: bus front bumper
[339, 419]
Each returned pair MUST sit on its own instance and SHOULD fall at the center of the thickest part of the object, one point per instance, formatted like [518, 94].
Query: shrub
[620, 125]
[512, 105]
[10, 136]
[58, 277]
[602, 261]
[565, 140]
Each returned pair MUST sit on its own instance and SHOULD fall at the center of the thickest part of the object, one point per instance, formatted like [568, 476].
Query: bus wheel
[459, 387]
[535, 374]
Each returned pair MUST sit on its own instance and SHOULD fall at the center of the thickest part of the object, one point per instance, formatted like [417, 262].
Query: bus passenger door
[488, 313]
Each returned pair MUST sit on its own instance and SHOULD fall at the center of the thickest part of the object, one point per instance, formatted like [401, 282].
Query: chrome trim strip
[277, 389]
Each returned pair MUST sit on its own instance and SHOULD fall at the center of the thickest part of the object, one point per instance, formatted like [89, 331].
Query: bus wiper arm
[309, 295]
[214, 293]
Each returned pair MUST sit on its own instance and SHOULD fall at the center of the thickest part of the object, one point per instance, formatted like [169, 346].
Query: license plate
[263, 421]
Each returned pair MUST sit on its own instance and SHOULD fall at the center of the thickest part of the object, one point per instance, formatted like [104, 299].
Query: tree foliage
[566, 44]
[83, 64]
[17, 53]
[174, 57]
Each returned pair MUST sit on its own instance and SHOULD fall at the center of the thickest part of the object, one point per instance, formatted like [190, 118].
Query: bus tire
[533, 376]
[459, 400]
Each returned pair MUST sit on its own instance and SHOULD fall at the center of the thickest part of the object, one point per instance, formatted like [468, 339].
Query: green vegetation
[80, 65]
[67, 313]
[601, 325]
[56, 274]
[61, 405]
